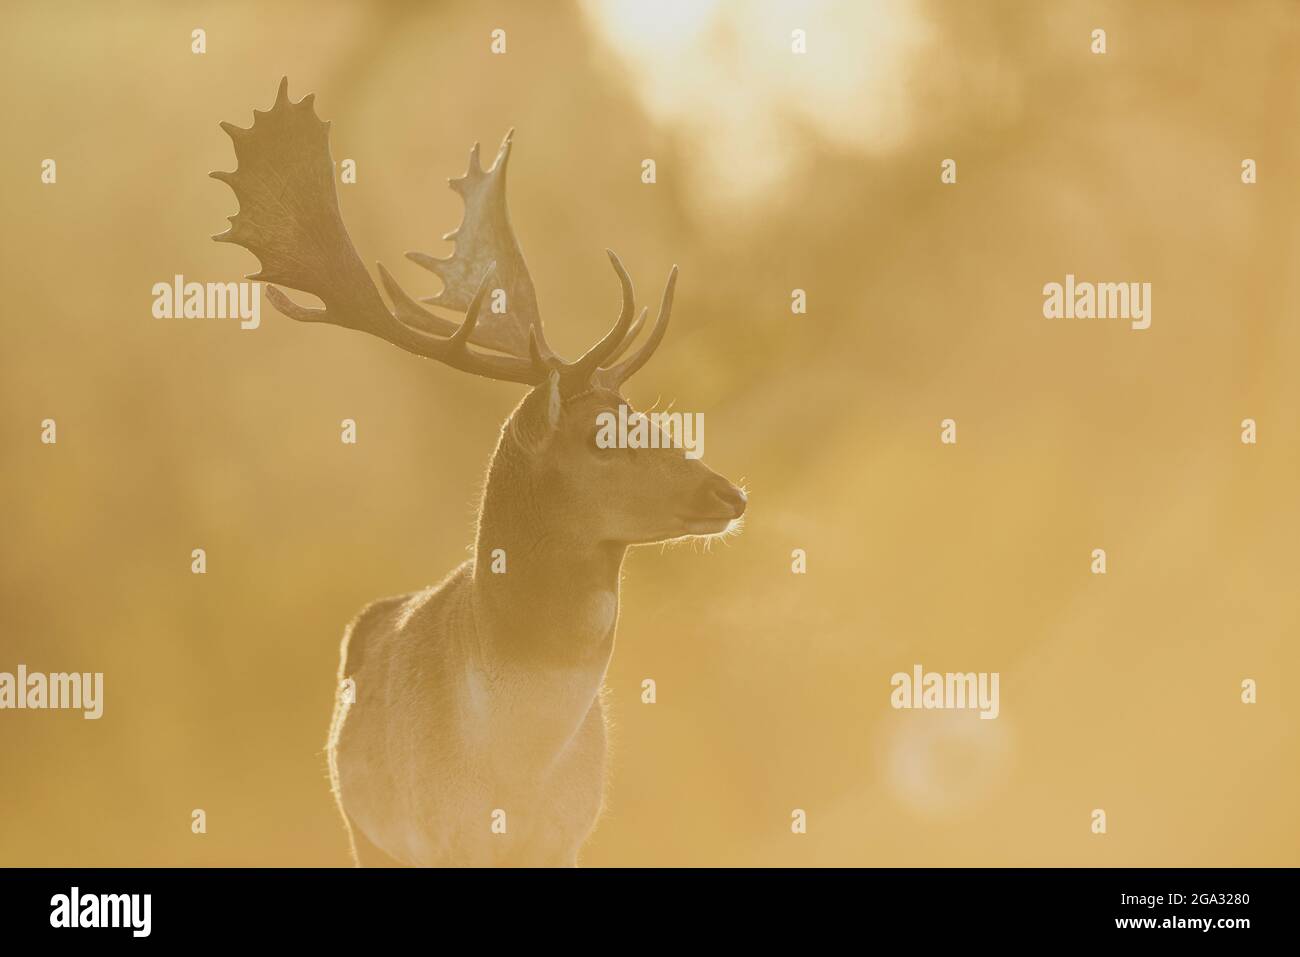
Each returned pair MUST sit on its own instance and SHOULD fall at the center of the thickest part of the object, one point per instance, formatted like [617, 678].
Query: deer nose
[733, 498]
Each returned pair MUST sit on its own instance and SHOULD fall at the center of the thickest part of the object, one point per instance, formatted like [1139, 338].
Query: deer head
[289, 218]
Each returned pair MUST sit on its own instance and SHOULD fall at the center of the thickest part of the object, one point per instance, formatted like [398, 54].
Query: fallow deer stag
[473, 707]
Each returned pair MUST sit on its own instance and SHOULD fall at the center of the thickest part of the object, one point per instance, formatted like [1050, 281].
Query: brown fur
[483, 692]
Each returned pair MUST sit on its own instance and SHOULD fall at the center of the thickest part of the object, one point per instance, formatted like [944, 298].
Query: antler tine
[466, 329]
[615, 376]
[293, 310]
[534, 349]
[410, 311]
[631, 335]
[579, 373]
[454, 351]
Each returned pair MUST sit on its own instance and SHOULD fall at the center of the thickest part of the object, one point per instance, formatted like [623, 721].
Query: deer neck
[555, 603]
[546, 595]
[545, 603]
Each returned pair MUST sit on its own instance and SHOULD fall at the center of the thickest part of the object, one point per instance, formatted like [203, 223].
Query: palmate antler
[289, 218]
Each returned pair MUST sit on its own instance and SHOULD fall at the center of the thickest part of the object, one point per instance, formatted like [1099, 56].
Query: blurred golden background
[775, 172]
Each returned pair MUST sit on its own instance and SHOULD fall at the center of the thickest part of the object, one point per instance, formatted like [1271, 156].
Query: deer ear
[535, 424]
